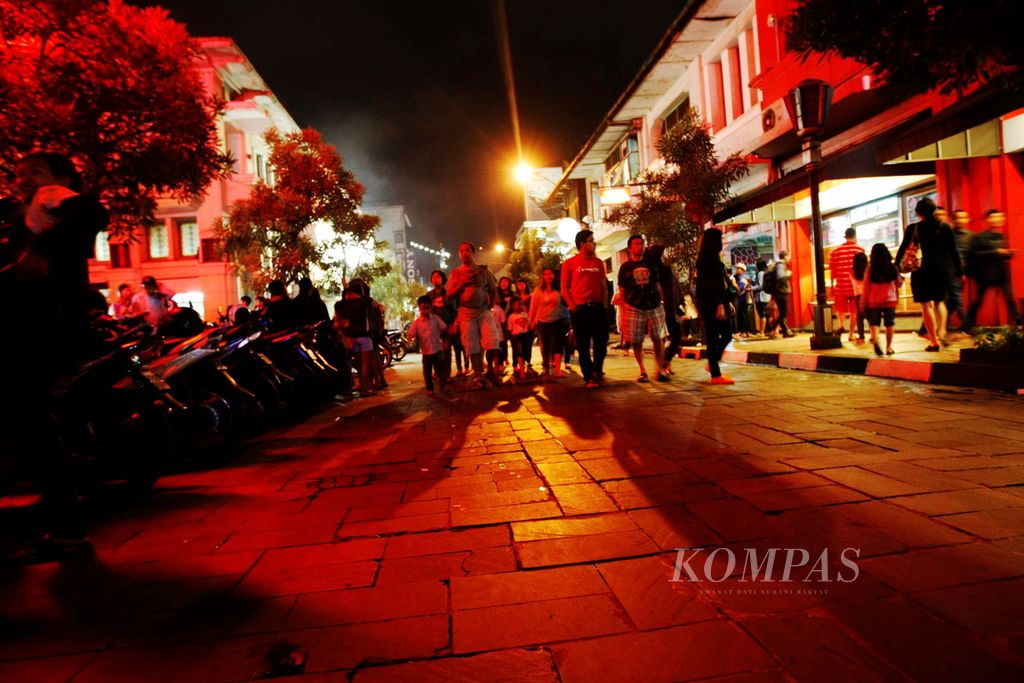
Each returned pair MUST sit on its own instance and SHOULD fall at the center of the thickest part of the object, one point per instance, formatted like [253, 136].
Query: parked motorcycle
[114, 416]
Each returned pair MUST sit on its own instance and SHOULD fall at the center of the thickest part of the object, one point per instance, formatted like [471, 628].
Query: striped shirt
[840, 263]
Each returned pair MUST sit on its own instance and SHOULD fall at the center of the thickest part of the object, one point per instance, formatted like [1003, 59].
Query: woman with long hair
[880, 284]
[714, 301]
[550, 317]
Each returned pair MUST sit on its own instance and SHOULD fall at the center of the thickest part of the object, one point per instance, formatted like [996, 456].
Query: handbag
[911, 260]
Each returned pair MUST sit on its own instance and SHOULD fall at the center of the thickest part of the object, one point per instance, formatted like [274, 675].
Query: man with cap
[153, 302]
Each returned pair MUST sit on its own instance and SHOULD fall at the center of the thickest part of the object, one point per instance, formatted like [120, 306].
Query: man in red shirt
[585, 290]
[840, 264]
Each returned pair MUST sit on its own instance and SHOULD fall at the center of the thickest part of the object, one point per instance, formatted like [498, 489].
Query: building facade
[728, 60]
[179, 249]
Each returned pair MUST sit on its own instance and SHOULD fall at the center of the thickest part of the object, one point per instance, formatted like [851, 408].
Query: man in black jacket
[988, 264]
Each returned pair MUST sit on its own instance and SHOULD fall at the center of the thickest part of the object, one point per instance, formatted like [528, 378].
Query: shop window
[188, 236]
[156, 238]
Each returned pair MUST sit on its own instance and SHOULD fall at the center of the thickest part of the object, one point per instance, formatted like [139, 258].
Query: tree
[531, 258]
[914, 45]
[676, 201]
[280, 230]
[397, 295]
[115, 87]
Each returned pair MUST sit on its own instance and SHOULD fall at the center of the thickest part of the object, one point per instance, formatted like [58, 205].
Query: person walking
[473, 287]
[585, 290]
[928, 253]
[988, 265]
[860, 268]
[445, 310]
[55, 222]
[522, 290]
[761, 297]
[642, 312]
[428, 330]
[840, 265]
[673, 298]
[962, 237]
[714, 300]
[549, 316]
[780, 290]
[880, 286]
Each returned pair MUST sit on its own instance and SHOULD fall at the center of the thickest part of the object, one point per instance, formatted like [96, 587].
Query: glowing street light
[523, 172]
[499, 247]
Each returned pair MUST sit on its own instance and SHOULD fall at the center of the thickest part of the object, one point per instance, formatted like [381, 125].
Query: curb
[976, 375]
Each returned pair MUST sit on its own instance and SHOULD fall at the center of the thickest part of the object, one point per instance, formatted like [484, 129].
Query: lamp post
[808, 105]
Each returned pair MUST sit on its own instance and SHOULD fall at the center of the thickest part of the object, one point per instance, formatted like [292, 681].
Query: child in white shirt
[429, 330]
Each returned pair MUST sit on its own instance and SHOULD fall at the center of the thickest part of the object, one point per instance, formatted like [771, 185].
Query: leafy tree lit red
[269, 235]
[115, 87]
[915, 45]
[676, 201]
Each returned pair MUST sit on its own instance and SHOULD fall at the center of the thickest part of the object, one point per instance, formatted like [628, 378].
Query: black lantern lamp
[808, 104]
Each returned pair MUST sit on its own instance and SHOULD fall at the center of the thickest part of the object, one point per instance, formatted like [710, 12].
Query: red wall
[978, 185]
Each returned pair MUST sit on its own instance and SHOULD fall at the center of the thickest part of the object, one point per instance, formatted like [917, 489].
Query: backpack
[769, 281]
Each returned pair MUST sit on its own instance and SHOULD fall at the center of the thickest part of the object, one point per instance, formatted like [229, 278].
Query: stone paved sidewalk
[528, 533]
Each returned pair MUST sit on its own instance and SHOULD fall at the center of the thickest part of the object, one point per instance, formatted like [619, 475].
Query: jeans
[590, 324]
[552, 341]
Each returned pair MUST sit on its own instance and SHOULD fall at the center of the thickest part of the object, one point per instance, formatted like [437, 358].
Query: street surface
[528, 533]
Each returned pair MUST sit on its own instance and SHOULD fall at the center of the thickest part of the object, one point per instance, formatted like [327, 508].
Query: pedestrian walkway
[529, 533]
[910, 361]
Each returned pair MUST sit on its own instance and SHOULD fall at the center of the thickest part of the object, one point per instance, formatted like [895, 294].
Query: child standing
[494, 356]
[428, 329]
[519, 331]
[880, 295]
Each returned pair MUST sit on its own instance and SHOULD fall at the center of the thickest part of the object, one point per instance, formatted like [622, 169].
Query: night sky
[411, 92]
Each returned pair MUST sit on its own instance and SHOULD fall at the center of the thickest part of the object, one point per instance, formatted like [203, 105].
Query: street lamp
[808, 104]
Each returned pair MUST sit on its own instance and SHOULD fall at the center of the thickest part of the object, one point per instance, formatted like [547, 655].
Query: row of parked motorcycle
[192, 391]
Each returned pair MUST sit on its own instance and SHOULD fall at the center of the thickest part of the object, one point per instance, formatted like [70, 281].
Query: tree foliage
[914, 45]
[397, 295]
[677, 200]
[531, 258]
[271, 234]
[115, 87]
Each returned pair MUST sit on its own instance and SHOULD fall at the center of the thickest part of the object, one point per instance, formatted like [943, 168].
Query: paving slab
[530, 532]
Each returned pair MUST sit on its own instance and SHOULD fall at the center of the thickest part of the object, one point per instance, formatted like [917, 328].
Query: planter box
[992, 356]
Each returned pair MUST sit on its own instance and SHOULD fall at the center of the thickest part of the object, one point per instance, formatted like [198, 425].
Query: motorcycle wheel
[139, 447]
[398, 351]
[385, 355]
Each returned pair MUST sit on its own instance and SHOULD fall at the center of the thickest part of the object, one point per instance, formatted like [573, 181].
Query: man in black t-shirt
[642, 312]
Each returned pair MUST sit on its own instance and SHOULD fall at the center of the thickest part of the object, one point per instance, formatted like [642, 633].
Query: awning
[857, 162]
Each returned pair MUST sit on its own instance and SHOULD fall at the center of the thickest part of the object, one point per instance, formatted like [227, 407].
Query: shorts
[361, 344]
[480, 333]
[874, 316]
[637, 323]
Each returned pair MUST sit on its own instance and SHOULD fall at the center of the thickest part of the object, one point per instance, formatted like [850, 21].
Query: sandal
[643, 378]
[932, 349]
[662, 377]
[889, 351]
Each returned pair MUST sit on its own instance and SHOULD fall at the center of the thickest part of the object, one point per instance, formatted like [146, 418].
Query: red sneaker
[722, 379]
